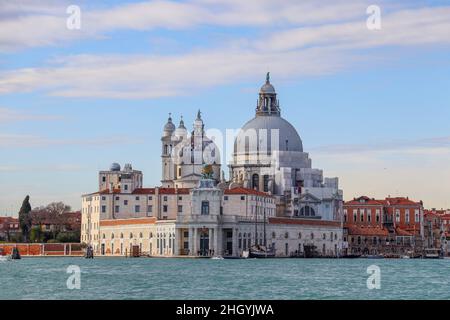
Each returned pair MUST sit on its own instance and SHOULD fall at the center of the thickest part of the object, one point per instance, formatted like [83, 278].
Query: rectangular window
[103, 179]
[180, 209]
[165, 198]
[103, 198]
[164, 208]
[242, 198]
[150, 209]
[417, 215]
[180, 198]
[103, 209]
[117, 198]
[125, 187]
[150, 198]
[125, 202]
[407, 216]
[137, 198]
[117, 209]
[137, 209]
[225, 198]
[205, 207]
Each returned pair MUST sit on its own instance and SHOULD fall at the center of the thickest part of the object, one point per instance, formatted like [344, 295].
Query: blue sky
[372, 107]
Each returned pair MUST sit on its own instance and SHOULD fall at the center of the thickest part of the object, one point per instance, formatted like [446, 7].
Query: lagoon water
[151, 278]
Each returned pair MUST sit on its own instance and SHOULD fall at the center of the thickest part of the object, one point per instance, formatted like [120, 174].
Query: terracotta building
[391, 226]
[9, 228]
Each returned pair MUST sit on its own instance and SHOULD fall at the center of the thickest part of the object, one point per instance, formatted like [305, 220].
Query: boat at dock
[433, 253]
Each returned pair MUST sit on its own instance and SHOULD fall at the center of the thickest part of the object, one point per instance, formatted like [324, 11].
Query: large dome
[264, 127]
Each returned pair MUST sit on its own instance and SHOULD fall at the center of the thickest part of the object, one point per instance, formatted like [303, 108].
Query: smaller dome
[170, 127]
[115, 167]
[181, 131]
[267, 87]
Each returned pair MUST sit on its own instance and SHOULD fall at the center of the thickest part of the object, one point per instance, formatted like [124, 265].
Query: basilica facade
[273, 197]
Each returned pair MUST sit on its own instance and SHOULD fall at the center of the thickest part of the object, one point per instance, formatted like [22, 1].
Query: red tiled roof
[122, 222]
[367, 201]
[367, 231]
[314, 222]
[401, 201]
[240, 190]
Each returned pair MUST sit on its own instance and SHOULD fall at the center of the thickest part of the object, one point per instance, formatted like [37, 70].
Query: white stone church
[273, 198]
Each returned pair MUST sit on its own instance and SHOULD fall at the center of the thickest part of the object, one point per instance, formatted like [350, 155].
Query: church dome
[169, 127]
[264, 127]
[114, 167]
[267, 88]
[256, 135]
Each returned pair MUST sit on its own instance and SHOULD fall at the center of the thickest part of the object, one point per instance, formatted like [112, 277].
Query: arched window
[140, 235]
[312, 235]
[131, 235]
[121, 236]
[255, 181]
[299, 235]
[266, 183]
[307, 211]
[112, 235]
[103, 236]
[286, 235]
[274, 235]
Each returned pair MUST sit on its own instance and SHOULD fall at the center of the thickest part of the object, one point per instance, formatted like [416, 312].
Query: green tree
[36, 234]
[25, 219]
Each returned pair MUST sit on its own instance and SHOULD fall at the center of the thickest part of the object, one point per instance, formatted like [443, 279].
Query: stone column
[211, 242]
[191, 241]
[195, 242]
[217, 248]
[176, 250]
[235, 242]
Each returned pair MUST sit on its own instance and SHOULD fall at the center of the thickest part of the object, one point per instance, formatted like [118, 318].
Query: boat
[5, 258]
[15, 255]
[261, 252]
[432, 253]
[217, 258]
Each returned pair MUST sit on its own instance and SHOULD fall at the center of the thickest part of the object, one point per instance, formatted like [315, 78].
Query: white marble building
[274, 197]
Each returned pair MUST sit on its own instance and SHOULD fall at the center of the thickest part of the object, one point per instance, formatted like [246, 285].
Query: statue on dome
[207, 172]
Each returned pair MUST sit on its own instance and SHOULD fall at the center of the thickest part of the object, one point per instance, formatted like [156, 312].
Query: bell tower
[168, 166]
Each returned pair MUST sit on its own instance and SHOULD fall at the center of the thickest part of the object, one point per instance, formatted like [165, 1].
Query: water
[143, 278]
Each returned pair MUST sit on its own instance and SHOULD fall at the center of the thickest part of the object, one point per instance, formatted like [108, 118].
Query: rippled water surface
[144, 278]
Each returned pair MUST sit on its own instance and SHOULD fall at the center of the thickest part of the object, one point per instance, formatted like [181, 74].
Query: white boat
[406, 257]
[217, 258]
[5, 258]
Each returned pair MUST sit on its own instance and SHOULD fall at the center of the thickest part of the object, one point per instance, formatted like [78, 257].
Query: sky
[371, 105]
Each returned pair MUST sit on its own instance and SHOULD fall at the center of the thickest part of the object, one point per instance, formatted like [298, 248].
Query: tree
[24, 218]
[56, 211]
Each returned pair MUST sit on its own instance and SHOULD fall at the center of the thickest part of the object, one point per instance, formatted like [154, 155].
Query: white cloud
[45, 24]
[8, 115]
[414, 168]
[289, 53]
[33, 141]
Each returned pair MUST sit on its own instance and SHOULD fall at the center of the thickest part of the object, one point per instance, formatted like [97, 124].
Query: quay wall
[43, 249]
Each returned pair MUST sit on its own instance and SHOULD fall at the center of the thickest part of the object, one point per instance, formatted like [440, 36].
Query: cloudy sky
[372, 106]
